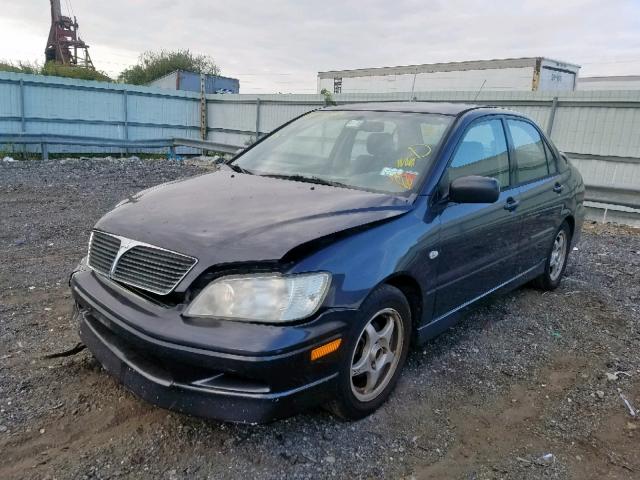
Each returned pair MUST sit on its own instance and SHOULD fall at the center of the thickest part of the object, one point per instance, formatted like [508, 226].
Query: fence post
[203, 109]
[552, 116]
[257, 119]
[125, 114]
[45, 151]
[23, 118]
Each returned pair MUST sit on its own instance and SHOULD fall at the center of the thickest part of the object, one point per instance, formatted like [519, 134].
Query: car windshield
[384, 152]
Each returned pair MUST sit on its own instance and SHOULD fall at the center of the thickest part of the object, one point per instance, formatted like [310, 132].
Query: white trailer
[621, 82]
[522, 74]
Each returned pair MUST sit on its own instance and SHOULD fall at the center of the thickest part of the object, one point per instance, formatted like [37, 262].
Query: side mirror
[474, 189]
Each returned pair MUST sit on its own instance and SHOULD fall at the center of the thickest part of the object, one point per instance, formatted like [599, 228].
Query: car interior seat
[380, 154]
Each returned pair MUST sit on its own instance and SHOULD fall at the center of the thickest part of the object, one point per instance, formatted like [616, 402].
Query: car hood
[226, 217]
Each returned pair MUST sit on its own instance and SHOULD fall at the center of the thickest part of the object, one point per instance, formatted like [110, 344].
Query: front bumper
[267, 375]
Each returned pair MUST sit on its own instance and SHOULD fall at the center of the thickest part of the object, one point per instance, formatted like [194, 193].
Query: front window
[387, 152]
[483, 151]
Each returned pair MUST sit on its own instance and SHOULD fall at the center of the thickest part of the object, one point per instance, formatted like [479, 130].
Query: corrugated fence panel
[598, 131]
[229, 138]
[231, 115]
[45, 102]
[173, 111]
[603, 173]
[9, 100]
[272, 115]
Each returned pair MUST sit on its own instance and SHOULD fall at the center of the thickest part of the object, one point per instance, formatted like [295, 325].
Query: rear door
[541, 190]
[478, 242]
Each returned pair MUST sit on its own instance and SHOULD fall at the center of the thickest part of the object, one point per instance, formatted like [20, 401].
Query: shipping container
[520, 74]
[621, 82]
[190, 81]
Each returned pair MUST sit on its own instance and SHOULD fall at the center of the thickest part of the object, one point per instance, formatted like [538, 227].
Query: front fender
[364, 260]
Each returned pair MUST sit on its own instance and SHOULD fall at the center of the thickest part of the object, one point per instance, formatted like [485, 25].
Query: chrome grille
[152, 269]
[103, 250]
[138, 264]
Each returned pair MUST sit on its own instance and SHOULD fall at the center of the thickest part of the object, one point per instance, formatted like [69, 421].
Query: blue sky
[280, 45]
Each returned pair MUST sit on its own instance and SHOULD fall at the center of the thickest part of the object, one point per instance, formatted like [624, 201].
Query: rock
[330, 459]
[612, 377]
[546, 460]
[600, 394]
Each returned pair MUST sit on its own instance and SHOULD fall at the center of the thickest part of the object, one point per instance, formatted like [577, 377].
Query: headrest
[379, 144]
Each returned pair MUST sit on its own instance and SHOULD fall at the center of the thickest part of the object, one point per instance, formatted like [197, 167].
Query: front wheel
[374, 357]
[556, 260]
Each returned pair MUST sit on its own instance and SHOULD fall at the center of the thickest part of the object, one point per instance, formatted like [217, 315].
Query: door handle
[511, 204]
[558, 188]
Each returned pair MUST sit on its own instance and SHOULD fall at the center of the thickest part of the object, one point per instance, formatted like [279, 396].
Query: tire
[556, 262]
[360, 394]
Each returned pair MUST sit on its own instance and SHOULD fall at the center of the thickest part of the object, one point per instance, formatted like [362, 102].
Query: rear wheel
[374, 357]
[556, 260]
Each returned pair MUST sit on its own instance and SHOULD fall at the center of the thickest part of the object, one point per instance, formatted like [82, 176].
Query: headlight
[269, 298]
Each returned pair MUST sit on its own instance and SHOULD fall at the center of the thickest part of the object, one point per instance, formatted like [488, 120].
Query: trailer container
[621, 82]
[190, 81]
[522, 74]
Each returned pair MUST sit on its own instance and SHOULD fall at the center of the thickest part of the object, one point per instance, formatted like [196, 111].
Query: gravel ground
[525, 375]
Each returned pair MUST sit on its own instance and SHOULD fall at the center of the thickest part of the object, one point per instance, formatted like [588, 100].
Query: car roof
[441, 108]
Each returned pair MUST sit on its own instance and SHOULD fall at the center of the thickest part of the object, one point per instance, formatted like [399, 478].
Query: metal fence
[32, 104]
[601, 123]
[599, 130]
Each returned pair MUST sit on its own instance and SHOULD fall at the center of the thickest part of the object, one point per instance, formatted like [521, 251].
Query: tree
[153, 65]
[328, 98]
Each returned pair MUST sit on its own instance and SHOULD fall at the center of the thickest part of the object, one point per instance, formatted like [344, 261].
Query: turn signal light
[325, 349]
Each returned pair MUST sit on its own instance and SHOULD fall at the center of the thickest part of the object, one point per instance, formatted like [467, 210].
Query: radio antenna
[481, 86]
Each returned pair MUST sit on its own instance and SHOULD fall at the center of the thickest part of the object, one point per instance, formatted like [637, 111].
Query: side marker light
[325, 349]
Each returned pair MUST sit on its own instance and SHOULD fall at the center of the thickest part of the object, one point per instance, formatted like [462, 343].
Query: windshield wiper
[238, 168]
[302, 178]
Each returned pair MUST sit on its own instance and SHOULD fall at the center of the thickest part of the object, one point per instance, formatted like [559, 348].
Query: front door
[478, 242]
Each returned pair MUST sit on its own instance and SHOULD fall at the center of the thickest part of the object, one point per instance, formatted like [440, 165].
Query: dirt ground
[529, 385]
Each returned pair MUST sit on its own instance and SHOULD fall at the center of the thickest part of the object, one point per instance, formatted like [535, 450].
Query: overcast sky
[280, 45]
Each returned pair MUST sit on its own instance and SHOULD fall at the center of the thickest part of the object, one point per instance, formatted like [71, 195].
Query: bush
[153, 65]
[20, 67]
[57, 70]
[54, 69]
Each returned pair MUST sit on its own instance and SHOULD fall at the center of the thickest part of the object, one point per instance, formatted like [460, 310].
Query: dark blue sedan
[300, 272]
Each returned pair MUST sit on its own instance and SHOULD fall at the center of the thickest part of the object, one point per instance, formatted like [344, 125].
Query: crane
[64, 46]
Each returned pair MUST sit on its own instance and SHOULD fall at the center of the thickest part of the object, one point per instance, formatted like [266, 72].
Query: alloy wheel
[377, 353]
[558, 255]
